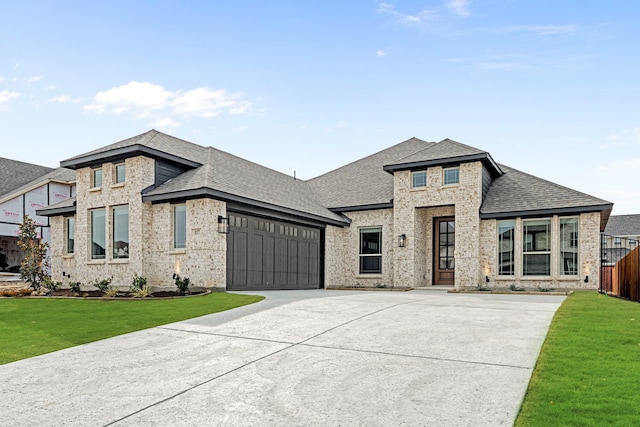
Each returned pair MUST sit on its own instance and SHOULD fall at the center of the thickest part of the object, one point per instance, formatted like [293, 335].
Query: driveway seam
[246, 364]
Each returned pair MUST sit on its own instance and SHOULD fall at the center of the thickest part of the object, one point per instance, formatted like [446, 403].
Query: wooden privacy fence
[623, 279]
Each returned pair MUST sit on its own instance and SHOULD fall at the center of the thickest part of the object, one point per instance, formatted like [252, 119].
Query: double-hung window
[370, 250]
[96, 177]
[536, 247]
[569, 246]
[179, 226]
[98, 234]
[451, 176]
[506, 244]
[120, 173]
[120, 244]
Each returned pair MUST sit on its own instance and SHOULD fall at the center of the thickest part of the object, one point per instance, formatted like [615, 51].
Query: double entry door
[444, 243]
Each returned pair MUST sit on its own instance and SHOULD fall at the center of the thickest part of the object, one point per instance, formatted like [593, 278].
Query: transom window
[96, 177]
[451, 176]
[536, 247]
[506, 244]
[120, 173]
[371, 250]
[419, 179]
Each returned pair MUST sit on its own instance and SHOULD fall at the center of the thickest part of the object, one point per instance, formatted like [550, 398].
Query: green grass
[588, 372]
[29, 326]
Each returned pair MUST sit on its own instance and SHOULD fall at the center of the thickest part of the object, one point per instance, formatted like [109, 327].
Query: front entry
[444, 242]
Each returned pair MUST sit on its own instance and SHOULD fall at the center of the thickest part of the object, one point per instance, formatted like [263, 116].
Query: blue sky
[547, 87]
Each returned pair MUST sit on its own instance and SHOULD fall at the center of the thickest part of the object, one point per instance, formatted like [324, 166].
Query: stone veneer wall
[150, 234]
[588, 255]
[342, 249]
[410, 264]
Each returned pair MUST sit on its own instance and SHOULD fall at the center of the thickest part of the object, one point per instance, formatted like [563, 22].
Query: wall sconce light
[174, 276]
[586, 279]
[223, 225]
[486, 279]
[402, 240]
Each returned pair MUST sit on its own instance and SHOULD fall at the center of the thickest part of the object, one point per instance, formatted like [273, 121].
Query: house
[416, 214]
[621, 235]
[25, 188]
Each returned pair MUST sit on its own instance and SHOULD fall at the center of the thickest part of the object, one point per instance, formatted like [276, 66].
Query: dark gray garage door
[268, 254]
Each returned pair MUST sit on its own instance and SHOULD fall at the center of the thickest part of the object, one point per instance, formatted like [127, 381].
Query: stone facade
[150, 246]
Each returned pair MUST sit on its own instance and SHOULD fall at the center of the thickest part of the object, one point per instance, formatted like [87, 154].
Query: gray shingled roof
[15, 174]
[233, 175]
[58, 174]
[442, 150]
[519, 192]
[623, 225]
[364, 182]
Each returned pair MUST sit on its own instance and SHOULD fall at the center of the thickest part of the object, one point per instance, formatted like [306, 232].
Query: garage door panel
[268, 254]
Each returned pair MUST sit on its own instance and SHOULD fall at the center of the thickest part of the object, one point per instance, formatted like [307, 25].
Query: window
[120, 173]
[371, 250]
[120, 232]
[536, 250]
[418, 179]
[71, 232]
[617, 241]
[506, 244]
[569, 246]
[451, 176]
[180, 226]
[98, 234]
[96, 177]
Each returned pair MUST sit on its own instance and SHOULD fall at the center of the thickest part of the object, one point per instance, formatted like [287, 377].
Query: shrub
[50, 284]
[35, 265]
[138, 283]
[142, 292]
[14, 292]
[513, 287]
[182, 284]
[111, 292]
[103, 285]
[75, 287]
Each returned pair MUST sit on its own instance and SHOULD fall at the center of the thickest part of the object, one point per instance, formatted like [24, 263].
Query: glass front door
[444, 247]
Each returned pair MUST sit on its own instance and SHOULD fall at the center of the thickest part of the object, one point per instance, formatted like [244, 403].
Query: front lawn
[30, 326]
[588, 372]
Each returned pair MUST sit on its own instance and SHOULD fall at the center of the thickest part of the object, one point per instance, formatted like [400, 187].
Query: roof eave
[123, 153]
[485, 158]
[220, 195]
[368, 207]
[66, 210]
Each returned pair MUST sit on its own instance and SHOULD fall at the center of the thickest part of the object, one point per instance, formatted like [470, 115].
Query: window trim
[69, 249]
[444, 175]
[413, 179]
[572, 235]
[361, 231]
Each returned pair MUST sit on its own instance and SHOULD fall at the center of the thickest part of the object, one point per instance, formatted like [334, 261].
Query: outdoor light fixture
[223, 225]
[586, 279]
[174, 276]
[486, 279]
[402, 240]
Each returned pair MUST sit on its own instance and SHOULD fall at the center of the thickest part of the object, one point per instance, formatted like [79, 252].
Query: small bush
[545, 289]
[75, 287]
[111, 292]
[103, 285]
[143, 292]
[482, 288]
[50, 284]
[138, 283]
[514, 288]
[182, 284]
[14, 292]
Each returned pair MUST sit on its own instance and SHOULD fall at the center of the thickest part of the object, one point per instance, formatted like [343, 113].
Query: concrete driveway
[298, 358]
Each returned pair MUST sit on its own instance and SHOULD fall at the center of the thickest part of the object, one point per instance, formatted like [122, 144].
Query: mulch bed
[123, 294]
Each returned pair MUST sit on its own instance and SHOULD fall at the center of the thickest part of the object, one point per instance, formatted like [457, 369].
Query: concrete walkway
[298, 358]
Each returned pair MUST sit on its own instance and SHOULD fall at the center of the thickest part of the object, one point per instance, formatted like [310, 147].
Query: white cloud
[459, 7]
[165, 123]
[1, 79]
[418, 18]
[50, 87]
[541, 30]
[5, 97]
[381, 53]
[340, 125]
[623, 138]
[32, 79]
[144, 99]
[63, 99]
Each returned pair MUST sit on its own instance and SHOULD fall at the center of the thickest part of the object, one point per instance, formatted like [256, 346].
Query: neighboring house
[25, 188]
[621, 235]
[416, 214]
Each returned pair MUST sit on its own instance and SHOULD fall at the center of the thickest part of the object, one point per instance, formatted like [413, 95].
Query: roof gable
[623, 225]
[15, 174]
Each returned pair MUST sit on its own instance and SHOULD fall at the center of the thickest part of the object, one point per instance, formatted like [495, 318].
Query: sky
[547, 87]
